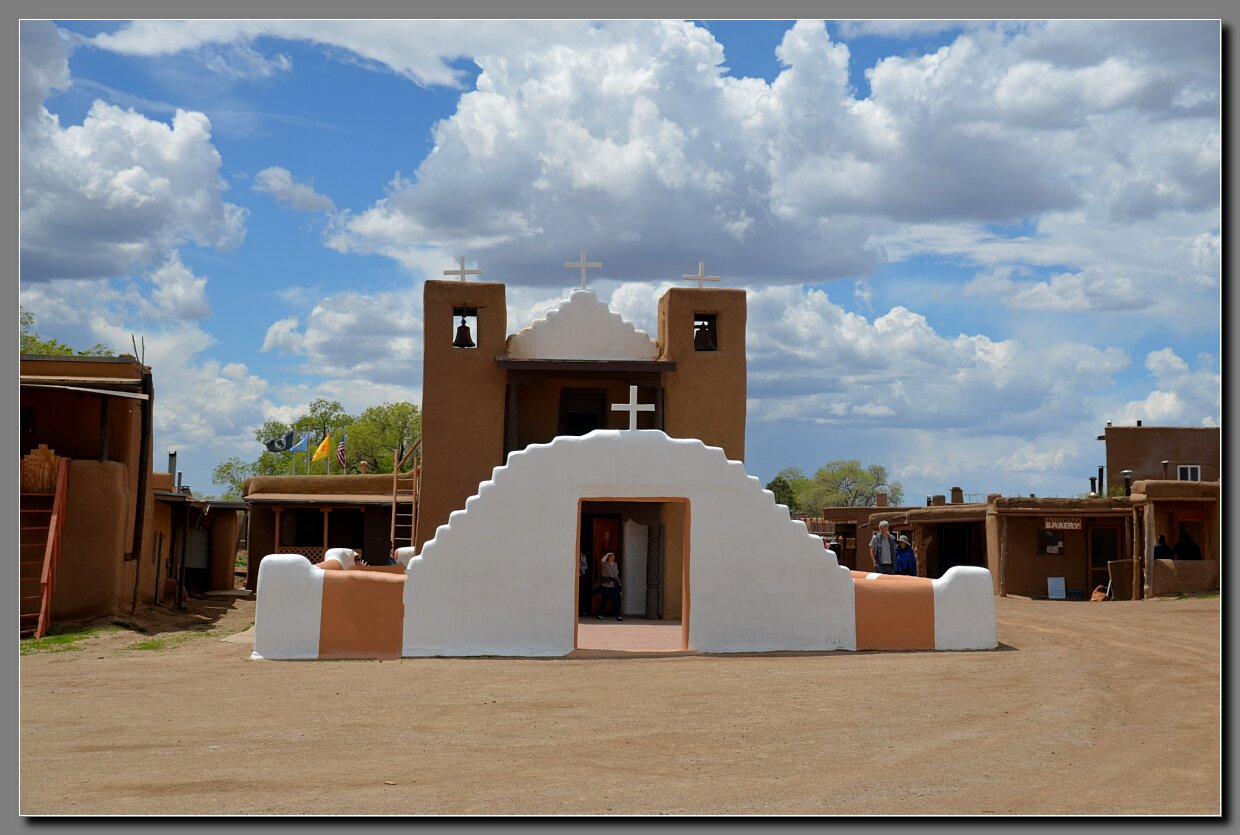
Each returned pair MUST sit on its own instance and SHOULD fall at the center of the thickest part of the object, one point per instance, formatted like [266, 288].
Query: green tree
[846, 483]
[32, 343]
[231, 475]
[783, 493]
[380, 430]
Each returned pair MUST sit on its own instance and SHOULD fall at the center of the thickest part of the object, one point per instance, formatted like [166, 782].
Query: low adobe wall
[1172, 577]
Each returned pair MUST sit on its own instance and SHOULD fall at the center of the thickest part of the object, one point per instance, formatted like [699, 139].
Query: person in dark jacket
[1163, 551]
[906, 559]
[1186, 549]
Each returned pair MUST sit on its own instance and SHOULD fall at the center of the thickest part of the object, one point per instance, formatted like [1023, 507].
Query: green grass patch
[158, 643]
[1210, 595]
[62, 639]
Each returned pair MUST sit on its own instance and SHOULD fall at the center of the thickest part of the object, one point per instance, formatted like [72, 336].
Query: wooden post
[1147, 562]
[326, 511]
[1003, 526]
[275, 545]
[103, 428]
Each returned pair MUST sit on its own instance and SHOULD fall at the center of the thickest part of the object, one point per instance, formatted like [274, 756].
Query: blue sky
[966, 246]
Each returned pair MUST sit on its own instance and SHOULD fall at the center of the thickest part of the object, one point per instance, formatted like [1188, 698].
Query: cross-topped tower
[462, 272]
[701, 276]
[632, 407]
[584, 265]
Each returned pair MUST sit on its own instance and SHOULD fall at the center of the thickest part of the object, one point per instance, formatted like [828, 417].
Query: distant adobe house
[95, 414]
[309, 515]
[1166, 453]
[1031, 544]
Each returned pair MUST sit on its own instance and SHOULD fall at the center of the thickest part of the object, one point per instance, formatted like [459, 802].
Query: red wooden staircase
[42, 517]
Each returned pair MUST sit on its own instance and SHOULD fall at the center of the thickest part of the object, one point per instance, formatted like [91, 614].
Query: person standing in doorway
[609, 584]
[1163, 551]
[1186, 549]
[906, 558]
[584, 597]
[883, 549]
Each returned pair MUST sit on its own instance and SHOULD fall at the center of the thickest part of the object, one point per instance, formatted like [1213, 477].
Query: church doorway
[650, 538]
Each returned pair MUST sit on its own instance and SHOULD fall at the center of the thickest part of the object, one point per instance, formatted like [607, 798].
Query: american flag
[340, 452]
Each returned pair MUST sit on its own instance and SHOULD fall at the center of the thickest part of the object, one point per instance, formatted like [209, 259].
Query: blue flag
[300, 446]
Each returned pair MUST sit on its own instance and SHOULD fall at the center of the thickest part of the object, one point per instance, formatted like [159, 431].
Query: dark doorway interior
[1103, 547]
[955, 547]
[582, 411]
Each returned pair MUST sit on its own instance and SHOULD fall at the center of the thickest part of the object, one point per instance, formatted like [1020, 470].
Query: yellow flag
[323, 450]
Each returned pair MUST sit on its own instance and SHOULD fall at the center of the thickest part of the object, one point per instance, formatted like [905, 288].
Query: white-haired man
[883, 549]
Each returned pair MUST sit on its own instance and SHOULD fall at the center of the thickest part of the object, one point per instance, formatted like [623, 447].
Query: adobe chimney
[940, 500]
[957, 495]
[880, 499]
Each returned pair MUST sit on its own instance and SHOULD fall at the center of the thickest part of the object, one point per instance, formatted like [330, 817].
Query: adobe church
[487, 393]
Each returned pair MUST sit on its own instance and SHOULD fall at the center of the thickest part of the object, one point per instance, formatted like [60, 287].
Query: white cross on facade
[701, 276]
[632, 407]
[462, 272]
[584, 265]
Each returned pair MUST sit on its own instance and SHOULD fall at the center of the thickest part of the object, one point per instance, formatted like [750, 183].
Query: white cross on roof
[462, 272]
[701, 276]
[584, 265]
[632, 407]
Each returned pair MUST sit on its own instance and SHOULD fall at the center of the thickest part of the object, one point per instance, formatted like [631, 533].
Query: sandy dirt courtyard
[1086, 708]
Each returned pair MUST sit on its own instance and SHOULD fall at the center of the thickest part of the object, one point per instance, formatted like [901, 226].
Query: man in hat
[906, 559]
[883, 549]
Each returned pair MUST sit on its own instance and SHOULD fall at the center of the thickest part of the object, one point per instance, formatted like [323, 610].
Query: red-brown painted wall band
[363, 615]
[894, 611]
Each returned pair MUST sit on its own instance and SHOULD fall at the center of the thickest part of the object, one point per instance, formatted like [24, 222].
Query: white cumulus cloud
[279, 183]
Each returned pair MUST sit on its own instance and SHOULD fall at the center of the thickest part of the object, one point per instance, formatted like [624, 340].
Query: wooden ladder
[42, 518]
[406, 496]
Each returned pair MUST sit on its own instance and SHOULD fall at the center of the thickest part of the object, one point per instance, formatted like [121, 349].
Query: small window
[705, 334]
[27, 420]
[465, 330]
[1190, 472]
[1050, 542]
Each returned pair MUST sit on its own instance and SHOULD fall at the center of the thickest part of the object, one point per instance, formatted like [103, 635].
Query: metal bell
[704, 338]
[463, 339]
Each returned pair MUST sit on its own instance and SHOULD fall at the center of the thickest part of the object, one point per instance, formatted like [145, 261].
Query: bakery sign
[1063, 523]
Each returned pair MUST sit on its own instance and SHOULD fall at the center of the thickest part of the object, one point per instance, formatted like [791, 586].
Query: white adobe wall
[500, 577]
[964, 609]
[288, 609]
[581, 328]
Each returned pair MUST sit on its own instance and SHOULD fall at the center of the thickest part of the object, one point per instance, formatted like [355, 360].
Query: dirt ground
[1086, 708]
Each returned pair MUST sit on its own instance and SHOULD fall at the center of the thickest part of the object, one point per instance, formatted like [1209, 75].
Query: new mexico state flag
[323, 449]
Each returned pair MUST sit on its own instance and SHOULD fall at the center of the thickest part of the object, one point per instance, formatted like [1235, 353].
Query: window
[1190, 472]
[1050, 542]
[705, 335]
[465, 334]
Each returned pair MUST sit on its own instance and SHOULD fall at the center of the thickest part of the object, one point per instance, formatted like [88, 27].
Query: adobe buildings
[127, 531]
[1042, 547]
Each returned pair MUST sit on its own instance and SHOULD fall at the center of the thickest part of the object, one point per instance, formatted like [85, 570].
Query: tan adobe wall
[1027, 570]
[1142, 449]
[704, 397]
[223, 548]
[319, 485]
[93, 544]
[123, 366]
[155, 560]
[675, 546]
[1172, 577]
[462, 398]
[262, 540]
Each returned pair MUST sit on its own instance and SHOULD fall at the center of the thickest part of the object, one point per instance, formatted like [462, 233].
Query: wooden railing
[51, 552]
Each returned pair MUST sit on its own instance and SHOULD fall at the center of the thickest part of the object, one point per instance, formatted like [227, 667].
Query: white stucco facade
[499, 578]
[582, 328]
